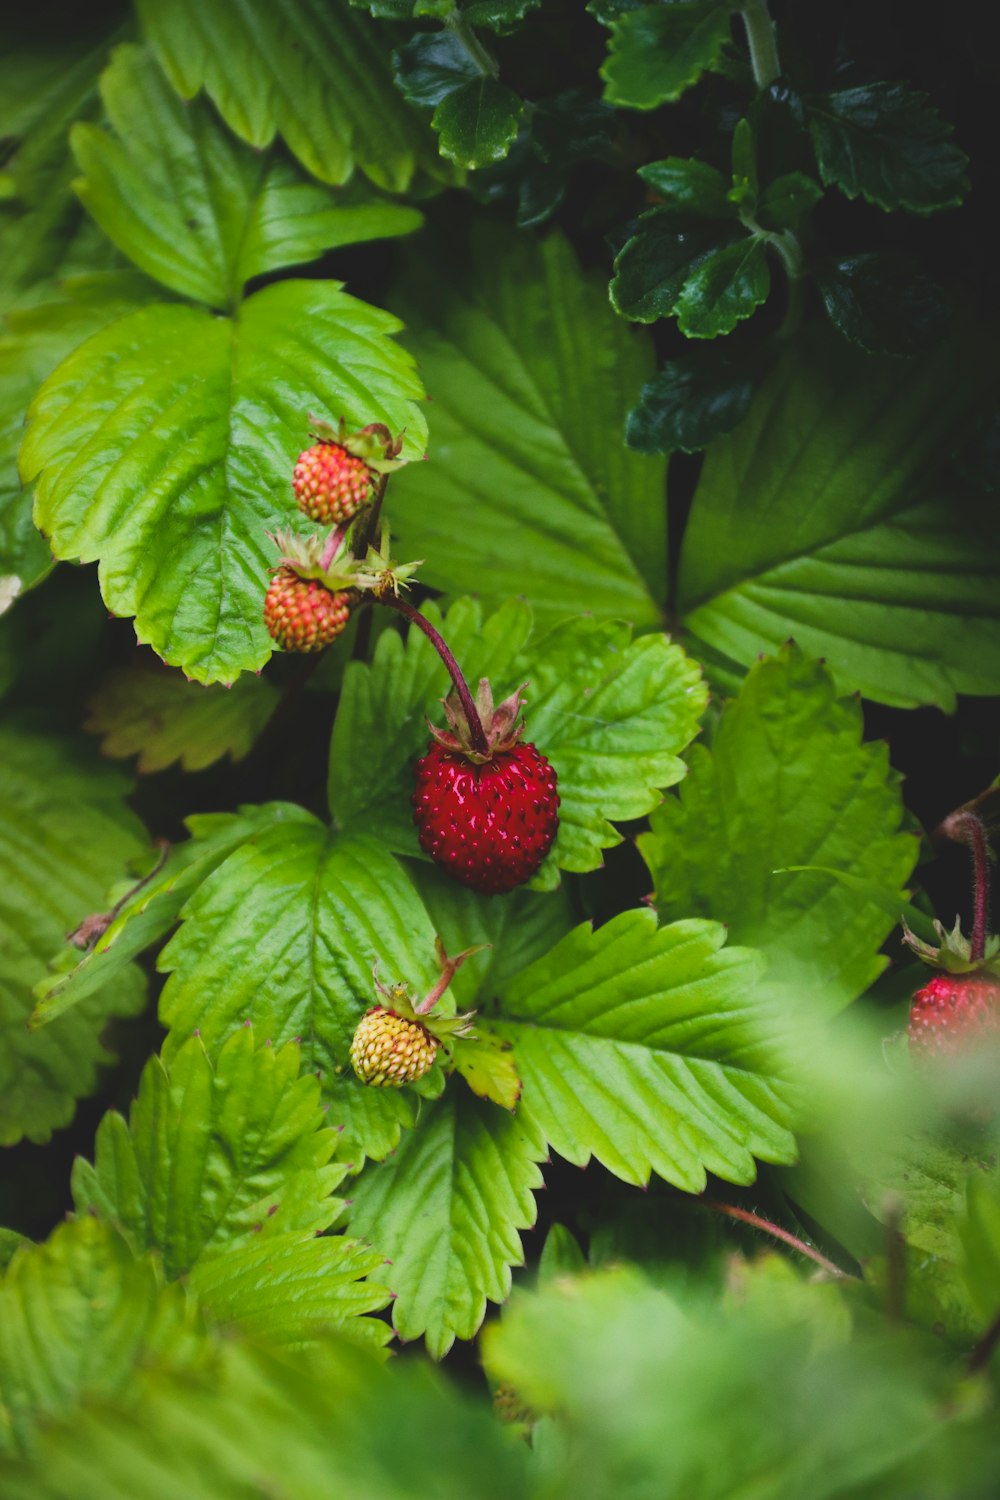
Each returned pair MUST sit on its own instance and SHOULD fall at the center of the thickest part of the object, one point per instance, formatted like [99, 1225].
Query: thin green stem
[483, 59]
[476, 731]
[763, 47]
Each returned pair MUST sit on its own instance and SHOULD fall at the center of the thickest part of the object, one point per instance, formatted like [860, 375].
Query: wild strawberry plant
[534, 808]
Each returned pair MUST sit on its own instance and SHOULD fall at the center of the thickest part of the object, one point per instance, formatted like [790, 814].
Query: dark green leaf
[314, 71]
[655, 265]
[497, 15]
[572, 125]
[884, 142]
[885, 302]
[161, 718]
[723, 289]
[788, 782]
[785, 202]
[477, 122]
[164, 448]
[690, 186]
[659, 51]
[688, 403]
[432, 65]
[827, 516]
[65, 832]
[530, 381]
[744, 154]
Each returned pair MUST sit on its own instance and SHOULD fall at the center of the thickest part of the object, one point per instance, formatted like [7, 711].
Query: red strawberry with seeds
[954, 1014]
[489, 815]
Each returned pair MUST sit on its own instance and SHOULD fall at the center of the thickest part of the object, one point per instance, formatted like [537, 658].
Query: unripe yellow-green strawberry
[389, 1050]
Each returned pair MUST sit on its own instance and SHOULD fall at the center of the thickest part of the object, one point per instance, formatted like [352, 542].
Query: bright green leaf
[152, 910]
[883, 142]
[497, 15]
[788, 782]
[477, 123]
[611, 715]
[32, 344]
[648, 1049]
[164, 448]
[446, 1210]
[214, 1155]
[162, 718]
[192, 207]
[64, 832]
[77, 1315]
[657, 52]
[529, 489]
[725, 288]
[488, 1066]
[317, 911]
[314, 71]
[979, 1235]
[826, 517]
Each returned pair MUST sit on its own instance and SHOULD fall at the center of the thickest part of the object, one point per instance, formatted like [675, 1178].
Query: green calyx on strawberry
[957, 1012]
[380, 573]
[397, 1042]
[374, 445]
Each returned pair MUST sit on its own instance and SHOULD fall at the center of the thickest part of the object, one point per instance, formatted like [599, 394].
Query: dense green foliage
[685, 307]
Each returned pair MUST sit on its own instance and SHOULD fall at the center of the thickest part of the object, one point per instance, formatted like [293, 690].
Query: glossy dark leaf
[431, 66]
[688, 403]
[884, 142]
[477, 122]
[787, 200]
[886, 303]
[654, 267]
[725, 288]
[658, 51]
[691, 186]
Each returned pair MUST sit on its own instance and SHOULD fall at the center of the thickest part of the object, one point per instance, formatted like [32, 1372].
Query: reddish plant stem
[973, 831]
[477, 733]
[449, 968]
[778, 1233]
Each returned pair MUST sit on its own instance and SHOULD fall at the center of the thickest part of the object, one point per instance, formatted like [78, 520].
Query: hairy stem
[973, 831]
[760, 36]
[478, 734]
[787, 1238]
[333, 541]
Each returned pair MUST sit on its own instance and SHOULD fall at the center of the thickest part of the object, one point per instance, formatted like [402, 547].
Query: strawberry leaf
[788, 782]
[64, 832]
[200, 420]
[612, 715]
[77, 1316]
[162, 718]
[315, 72]
[446, 1210]
[226, 1170]
[195, 209]
[487, 1064]
[650, 1049]
[530, 381]
[318, 910]
[32, 344]
[153, 909]
[830, 516]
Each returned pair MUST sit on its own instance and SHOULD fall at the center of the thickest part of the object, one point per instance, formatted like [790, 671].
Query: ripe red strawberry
[954, 1014]
[331, 484]
[302, 614]
[390, 1050]
[488, 819]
